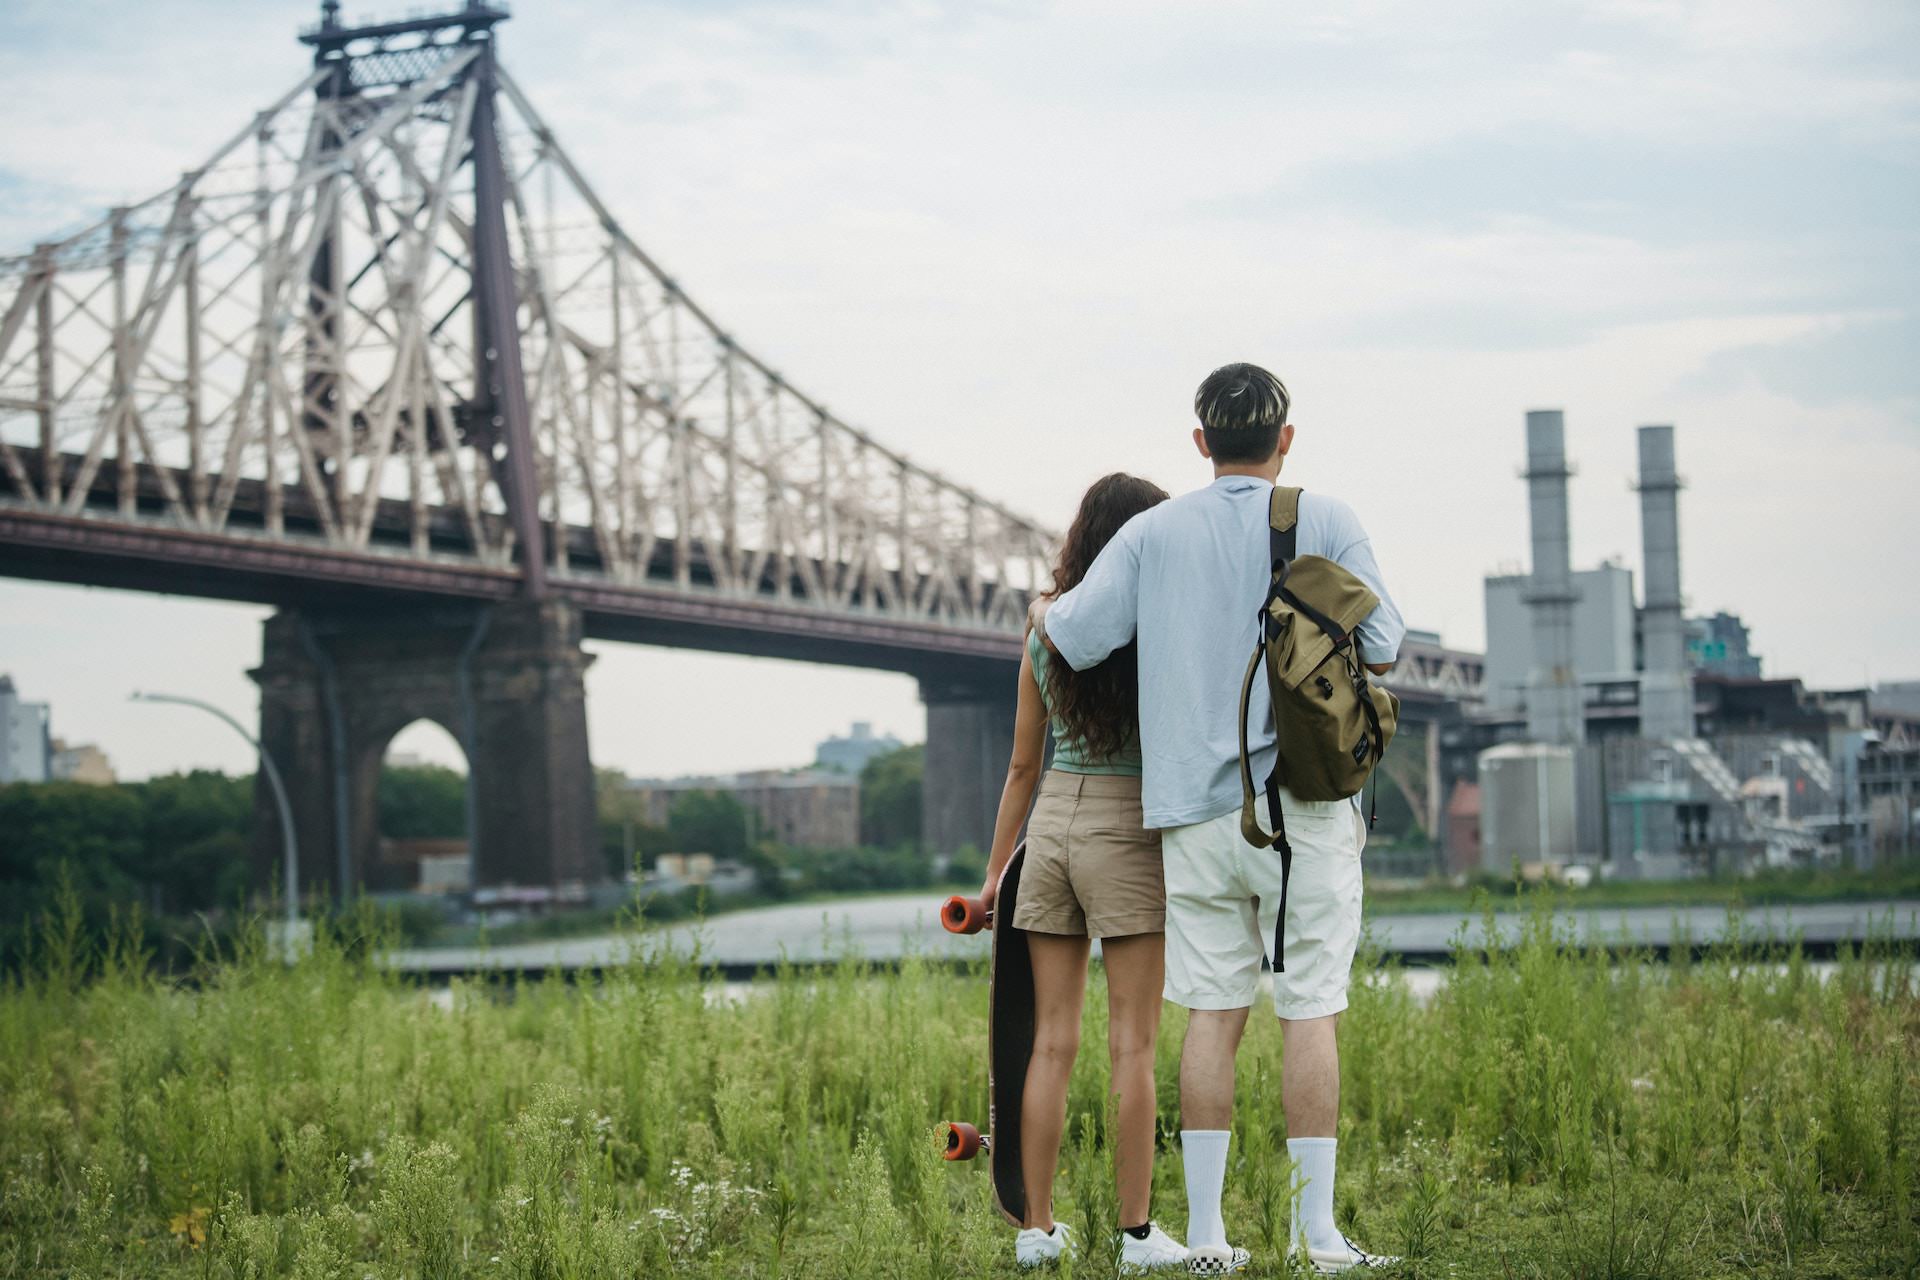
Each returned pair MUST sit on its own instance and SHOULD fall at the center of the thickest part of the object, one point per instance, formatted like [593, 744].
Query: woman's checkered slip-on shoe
[1216, 1260]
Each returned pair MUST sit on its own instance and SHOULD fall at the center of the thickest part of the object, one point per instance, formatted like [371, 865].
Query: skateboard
[1009, 1040]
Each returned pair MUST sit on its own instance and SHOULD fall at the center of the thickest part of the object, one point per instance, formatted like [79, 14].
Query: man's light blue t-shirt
[1186, 579]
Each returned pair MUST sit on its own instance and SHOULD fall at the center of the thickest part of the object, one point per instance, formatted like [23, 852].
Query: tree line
[176, 848]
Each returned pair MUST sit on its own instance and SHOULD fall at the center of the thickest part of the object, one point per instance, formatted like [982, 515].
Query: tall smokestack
[1554, 712]
[1666, 689]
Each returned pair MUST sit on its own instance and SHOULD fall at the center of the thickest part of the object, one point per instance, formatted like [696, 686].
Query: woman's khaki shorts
[1092, 869]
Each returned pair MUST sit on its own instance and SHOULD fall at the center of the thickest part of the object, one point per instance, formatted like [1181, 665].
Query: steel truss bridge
[385, 355]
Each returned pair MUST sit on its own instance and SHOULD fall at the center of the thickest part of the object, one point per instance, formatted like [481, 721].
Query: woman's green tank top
[1068, 754]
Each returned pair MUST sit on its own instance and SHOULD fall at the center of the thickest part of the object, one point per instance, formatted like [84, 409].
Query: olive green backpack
[1331, 722]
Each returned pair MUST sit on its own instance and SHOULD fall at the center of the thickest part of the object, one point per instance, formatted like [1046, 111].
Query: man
[1187, 579]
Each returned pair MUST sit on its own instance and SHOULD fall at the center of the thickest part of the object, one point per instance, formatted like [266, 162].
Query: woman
[1091, 872]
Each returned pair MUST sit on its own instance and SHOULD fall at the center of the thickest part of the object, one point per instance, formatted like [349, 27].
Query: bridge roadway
[888, 928]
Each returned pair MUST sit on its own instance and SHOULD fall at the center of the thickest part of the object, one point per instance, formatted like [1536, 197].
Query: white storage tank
[1526, 805]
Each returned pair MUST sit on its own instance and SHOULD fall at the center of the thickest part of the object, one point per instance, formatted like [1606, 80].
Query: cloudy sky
[1011, 237]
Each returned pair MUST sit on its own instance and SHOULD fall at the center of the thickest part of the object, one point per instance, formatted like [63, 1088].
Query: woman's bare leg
[1059, 989]
[1136, 970]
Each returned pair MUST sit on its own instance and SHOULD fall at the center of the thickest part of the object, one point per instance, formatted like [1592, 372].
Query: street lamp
[279, 799]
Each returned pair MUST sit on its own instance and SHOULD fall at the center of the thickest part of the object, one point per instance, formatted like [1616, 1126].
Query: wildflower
[190, 1228]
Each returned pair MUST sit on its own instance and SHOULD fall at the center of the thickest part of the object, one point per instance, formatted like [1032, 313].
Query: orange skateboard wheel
[963, 1140]
[965, 915]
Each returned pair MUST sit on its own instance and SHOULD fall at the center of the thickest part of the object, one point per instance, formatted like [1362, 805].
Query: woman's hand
[990, 889]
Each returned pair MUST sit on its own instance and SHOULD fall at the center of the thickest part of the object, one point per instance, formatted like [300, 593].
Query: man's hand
[1037, 619]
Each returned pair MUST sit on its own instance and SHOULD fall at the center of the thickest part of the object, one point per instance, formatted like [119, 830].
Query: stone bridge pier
[969, 738]
[505, 680]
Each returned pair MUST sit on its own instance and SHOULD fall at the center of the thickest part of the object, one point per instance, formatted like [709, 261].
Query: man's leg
[1310, 1093]
[1206, 1117]
[1206, 1067]
[1310, 991]
[1310, 1076]
[1213, 970]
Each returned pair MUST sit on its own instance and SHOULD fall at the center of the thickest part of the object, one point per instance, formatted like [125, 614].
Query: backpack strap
[1283, 519]
[1283, 539]
[1283, 524]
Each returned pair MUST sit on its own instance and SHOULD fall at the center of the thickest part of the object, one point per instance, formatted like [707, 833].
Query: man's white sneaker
[1035, 1248]
[1216, 1260]
[1348, 1257]
[1158, 1250]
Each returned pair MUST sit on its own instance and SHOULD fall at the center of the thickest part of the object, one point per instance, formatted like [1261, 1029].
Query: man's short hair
[1241, 409]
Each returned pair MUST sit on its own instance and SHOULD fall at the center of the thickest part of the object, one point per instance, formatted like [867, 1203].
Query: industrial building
[1719, 645]
[1623, 734]
[1604, 620]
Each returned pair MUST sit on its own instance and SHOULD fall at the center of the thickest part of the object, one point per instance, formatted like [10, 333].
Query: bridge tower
[505, 679]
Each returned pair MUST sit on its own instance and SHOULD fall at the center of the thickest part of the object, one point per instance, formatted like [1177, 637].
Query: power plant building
[1720, 645]
[1632, 735]
[1603, 632]
[1526, 805]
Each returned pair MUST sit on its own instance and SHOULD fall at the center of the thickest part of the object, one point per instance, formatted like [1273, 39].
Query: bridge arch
[420, 807]
[505, 681]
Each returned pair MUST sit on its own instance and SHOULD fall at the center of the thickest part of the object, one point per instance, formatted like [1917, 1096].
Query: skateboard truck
[964, 1141]
[965, 915]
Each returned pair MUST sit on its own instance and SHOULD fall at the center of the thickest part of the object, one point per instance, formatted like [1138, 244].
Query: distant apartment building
[80, 762]
[851, 753]
[805, 808]
[26, 746]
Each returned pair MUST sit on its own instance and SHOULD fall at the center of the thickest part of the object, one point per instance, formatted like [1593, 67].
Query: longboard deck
[1009, 1043]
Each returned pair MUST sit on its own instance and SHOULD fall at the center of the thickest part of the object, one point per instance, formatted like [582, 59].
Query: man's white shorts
[1223, 896]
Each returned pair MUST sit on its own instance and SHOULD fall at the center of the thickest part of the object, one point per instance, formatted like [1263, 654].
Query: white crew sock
[1313, 1192]
[1204, 1152]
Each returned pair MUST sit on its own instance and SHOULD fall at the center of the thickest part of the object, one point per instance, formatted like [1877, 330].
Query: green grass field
[1766, 888]
[1546, 1115]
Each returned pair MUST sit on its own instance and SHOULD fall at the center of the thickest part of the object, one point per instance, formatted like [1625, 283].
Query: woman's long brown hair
[1099, 708]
